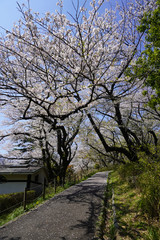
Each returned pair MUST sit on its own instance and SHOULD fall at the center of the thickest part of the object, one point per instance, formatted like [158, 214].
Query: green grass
[100, 225]
[132, 224]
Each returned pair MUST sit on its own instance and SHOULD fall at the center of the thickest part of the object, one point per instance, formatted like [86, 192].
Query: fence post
[69, 178]
[55, 184]
[44, 188]
[25, 198]
[62, 181]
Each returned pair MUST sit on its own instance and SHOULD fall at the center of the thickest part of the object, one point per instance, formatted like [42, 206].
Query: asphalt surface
[70, 215]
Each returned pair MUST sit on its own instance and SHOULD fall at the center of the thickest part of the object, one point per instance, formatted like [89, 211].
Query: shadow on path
[70, 215]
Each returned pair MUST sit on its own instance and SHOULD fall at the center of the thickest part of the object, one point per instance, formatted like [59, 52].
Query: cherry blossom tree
[54, 67]
[125, 129]
[50, 144]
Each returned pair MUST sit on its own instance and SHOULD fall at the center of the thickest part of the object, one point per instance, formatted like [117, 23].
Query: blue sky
[9, 13]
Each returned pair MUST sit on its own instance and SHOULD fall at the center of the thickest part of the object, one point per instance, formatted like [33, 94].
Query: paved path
[70, 215]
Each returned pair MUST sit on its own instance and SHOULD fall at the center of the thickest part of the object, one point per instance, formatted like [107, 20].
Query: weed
[153, 233]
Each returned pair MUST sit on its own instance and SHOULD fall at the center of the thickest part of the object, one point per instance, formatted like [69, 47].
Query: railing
[25, 200]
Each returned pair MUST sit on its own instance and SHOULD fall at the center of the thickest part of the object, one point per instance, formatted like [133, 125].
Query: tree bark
[107, 148]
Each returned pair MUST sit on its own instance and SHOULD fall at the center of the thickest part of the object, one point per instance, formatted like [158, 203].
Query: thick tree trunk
[131, 155]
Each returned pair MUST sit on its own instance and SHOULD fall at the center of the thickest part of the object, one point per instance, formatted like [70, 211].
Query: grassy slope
[132, 224]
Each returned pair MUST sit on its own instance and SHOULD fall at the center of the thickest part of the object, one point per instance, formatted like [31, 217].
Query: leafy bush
[149, 184]
[153, 233]
[130, 173]
[13, 199]
[145, 175]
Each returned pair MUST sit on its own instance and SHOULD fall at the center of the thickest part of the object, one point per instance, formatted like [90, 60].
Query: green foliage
[145, 175]
[130, 172]
[101, 224]
[70, 173]
[132, 224]
[153, 233]
[149, 184]
[148, 65]
[97, 166]
[12, 199]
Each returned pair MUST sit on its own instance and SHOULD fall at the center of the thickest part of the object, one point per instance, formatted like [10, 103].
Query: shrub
[149, 184]
[13, 199]
[145, 175]
[153, 233]
[130, 173]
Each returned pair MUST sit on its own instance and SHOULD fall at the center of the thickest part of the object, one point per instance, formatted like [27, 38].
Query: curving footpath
[70, 215]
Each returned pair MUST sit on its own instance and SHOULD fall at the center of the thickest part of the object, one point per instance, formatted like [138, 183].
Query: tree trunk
[129, 154]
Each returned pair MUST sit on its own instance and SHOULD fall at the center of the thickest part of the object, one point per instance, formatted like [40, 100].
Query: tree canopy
[148, 65]
[58, 70]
